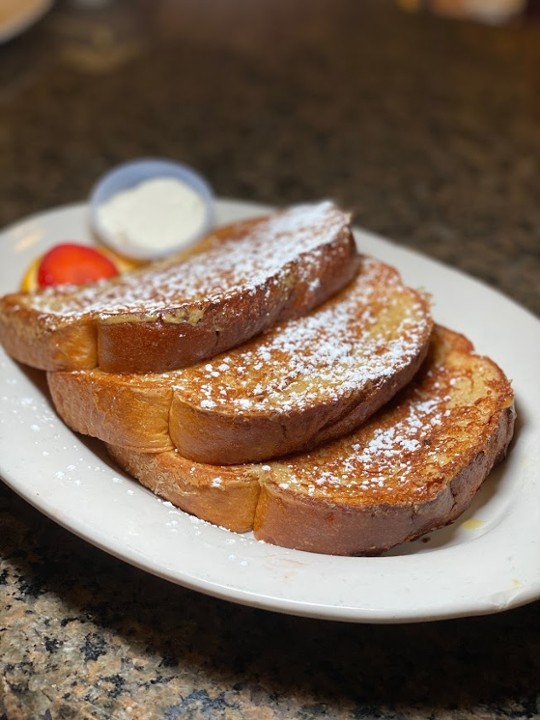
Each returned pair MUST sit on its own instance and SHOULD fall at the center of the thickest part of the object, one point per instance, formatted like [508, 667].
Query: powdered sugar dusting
[354, 341]
[378, 461]
[240, 264]
[418, 436]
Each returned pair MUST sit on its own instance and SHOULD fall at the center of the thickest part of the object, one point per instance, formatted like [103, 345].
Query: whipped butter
[154, 217]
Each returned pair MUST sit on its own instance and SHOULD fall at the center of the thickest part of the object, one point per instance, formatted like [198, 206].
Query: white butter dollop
[155, 216]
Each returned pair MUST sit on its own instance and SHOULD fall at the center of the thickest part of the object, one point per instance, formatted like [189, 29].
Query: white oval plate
[486, 562]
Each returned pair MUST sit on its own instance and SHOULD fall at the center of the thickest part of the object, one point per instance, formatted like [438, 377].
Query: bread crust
[300, 384]
[223, 496]
[456, 420]
[247, 277]
[130, 411]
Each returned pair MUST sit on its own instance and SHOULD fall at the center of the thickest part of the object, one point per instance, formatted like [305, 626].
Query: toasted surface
[414, 466]
[223, 495]
[299, 384]
[171, 314]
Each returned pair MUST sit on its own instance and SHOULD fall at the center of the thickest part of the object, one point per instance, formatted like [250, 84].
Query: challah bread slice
[171, 314]
[413, 467]
[301, 383]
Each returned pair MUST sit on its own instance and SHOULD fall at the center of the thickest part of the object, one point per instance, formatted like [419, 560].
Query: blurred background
[421, 117]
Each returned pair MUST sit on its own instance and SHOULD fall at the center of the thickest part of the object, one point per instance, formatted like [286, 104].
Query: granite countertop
[429, 130]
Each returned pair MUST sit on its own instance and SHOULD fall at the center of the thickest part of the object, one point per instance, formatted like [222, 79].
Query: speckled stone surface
[429, 130]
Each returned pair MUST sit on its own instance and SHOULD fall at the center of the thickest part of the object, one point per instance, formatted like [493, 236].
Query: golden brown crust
[300, 384]
[413, 467]
[172, 314]
[38, 343]
[224, 496]
[130, 411]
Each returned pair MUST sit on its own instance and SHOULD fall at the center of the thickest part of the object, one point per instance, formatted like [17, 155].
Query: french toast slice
[173, 313]
[412, 467]
[301, 383]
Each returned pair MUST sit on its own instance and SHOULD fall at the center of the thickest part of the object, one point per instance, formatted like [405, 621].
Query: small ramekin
[133, 173]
